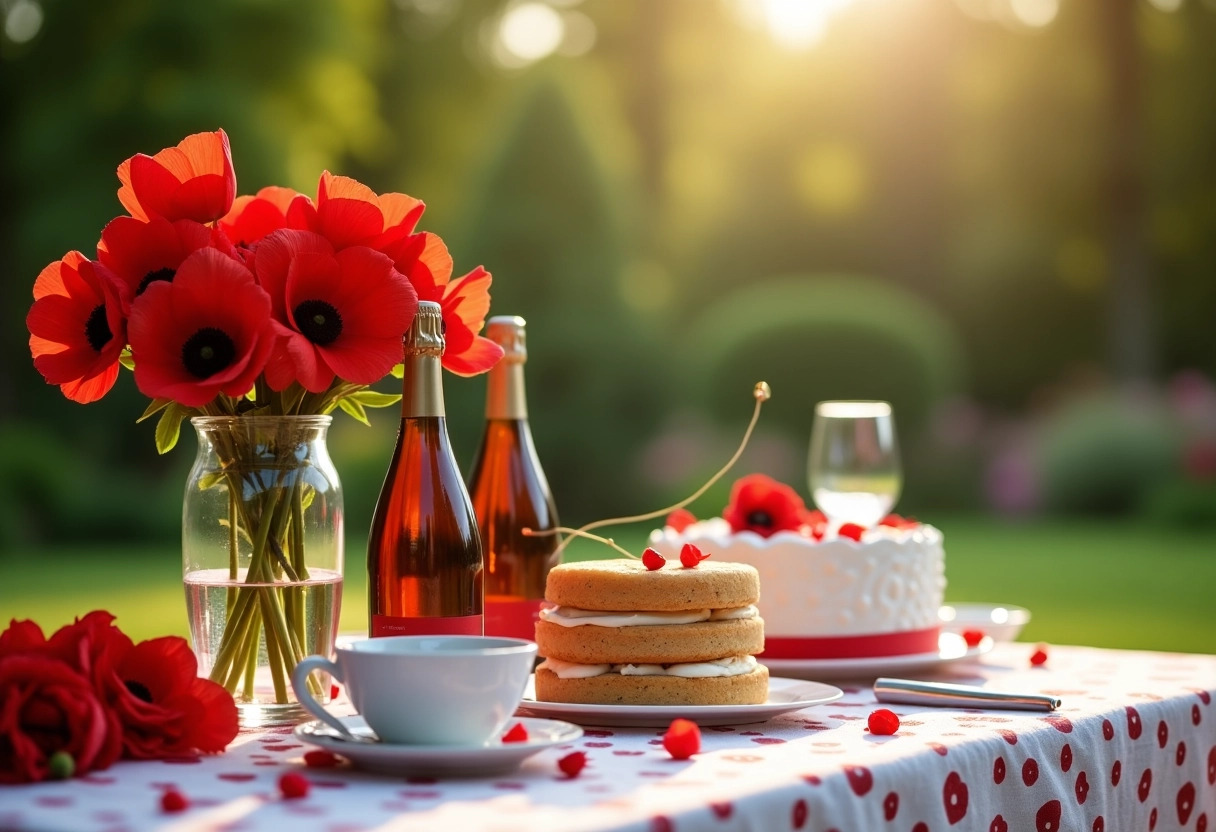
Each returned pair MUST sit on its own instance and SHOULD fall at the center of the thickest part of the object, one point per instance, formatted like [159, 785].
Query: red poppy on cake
[828, 590]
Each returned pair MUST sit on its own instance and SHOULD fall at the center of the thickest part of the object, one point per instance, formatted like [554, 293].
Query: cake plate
[784, 696]
[952, 649]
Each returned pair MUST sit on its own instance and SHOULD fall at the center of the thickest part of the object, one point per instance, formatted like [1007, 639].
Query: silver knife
[910, 692]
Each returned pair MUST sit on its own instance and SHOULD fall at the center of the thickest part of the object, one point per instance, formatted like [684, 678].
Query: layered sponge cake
[618, 633]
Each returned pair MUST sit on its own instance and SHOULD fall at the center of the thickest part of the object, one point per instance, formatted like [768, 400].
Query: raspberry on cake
[834, 593]
[619, 633]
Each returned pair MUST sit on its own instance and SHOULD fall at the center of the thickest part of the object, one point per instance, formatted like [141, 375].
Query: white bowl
[1002, 622]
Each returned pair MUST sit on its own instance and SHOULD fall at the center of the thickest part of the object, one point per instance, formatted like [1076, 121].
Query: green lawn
[1086, 582]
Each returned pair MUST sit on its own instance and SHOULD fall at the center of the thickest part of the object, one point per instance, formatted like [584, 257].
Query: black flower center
[760, 518]
[138, 690]
[166, 274]
[208, 351]
[97, 328]
[318, 321]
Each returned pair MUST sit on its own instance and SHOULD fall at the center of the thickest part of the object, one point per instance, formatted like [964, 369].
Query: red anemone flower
[342, 313]
[76, 325]
[139, 252]
[424, 259]
[254, 217]
[348, 213]
[762, 505]
[207, 332]
[193, 181]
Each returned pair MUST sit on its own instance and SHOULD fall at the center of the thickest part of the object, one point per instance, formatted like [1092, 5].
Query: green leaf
[211, 480]
[354, 409]
[169, 427]
[398, 370]
[154, 407]
[126, 359]
[307, 499]
[373, 398]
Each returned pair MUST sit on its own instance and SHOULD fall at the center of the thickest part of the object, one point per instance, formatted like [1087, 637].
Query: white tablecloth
[1133, 748]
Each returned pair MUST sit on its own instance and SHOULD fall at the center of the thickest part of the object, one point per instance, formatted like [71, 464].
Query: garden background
[1000, 215]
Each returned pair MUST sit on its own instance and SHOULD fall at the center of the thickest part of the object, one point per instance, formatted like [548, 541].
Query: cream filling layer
[730, 666]
[575, 617]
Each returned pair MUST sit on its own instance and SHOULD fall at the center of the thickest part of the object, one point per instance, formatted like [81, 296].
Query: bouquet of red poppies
[79, 700]
[225, 305]
[235, 308]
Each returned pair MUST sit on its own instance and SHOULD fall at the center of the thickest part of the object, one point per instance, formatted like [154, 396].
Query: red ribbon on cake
[853, 647]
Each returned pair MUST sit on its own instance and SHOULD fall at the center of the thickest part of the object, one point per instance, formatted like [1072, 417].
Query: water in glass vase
[312, 606]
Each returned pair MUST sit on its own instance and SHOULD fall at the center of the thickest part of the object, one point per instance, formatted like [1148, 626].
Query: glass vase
[262, 547]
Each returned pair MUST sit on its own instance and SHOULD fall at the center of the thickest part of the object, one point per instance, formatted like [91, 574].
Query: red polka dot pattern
[1030, 772]
[945, 770]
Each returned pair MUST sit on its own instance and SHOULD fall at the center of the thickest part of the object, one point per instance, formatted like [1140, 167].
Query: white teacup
[426, 690]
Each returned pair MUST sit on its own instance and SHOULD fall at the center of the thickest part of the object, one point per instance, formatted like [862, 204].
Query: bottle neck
[505, 397]
[422, 388]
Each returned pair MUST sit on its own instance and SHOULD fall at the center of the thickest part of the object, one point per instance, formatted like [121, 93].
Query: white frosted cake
[835, 597]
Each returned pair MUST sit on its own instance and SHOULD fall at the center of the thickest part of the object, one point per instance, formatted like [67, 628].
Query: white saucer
[494, 757]
[784, 695]
[1001, 621]
[951, 649]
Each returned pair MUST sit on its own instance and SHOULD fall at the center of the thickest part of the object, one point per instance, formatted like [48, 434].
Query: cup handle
[299, 683]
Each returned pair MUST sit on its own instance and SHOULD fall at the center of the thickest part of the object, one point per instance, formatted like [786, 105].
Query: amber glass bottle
[510, 493]
[424, 563]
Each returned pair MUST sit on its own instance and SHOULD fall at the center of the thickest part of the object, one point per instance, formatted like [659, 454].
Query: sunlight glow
[1167, 5]
[795, 24]
[531, 31]
[23, 21]
[1035, 13]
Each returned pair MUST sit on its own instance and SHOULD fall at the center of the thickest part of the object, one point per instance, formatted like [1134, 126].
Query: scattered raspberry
[851, 531]
[680, 519]
[893, 520]
[690, 556]
[334, 691]
[973, 637]
[683, 739]
[172, 801]
[652, 560]
[61, 766]
[572, 763]
[518, 733]
[1039, 657]
[320, 758]
[883, 722]
[294, 786]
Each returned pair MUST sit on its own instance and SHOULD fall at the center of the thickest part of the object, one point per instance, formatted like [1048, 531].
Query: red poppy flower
[342, 314]
[140, 252]
[254, 217]
[207, 332]
[152, 688]
[21, 637]
[49, 707]
[762, 505]
[348, 213]
[193, 181]
[76, 326]
[424, 259]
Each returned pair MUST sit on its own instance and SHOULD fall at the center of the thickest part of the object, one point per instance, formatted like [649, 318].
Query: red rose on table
[762, 505]
[49, 707]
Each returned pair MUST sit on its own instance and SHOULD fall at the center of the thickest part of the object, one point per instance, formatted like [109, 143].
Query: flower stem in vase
[277, 594]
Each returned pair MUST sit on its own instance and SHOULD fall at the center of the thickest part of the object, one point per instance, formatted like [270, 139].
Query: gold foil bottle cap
[425, 336]
[508, 332]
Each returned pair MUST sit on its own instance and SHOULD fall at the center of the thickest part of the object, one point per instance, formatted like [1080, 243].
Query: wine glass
[853, 466]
